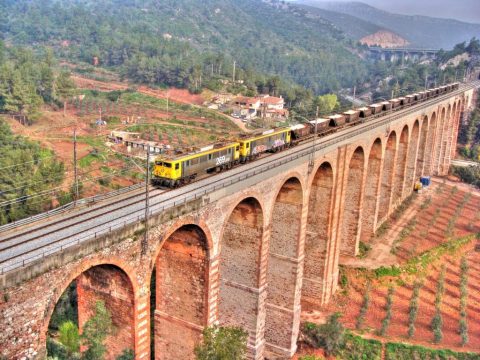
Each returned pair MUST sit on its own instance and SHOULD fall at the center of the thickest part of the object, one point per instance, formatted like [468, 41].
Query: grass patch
[357, 348]
[420, 263]
[400, 351]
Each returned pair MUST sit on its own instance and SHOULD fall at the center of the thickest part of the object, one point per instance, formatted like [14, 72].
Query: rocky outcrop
[384, 38]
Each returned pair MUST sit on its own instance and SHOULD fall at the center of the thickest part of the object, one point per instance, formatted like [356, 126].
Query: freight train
[181, 168]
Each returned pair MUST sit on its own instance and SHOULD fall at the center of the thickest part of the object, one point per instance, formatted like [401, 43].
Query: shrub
[437, 321]
[363, 249]
[329, 336]
[463, 326]
[364, 308]
[95, 331]
[413, 309]
[222, 343]
[127, 354]
[69, 337]
[388, 308]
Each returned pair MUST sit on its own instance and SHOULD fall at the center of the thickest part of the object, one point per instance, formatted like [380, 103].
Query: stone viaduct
[248, 256]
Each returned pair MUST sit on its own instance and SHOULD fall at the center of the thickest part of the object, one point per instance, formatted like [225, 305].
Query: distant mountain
[422, 31]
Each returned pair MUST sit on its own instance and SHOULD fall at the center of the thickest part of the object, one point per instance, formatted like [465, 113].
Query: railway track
[18, 248]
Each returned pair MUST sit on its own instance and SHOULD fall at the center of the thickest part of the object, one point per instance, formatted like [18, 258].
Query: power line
[50, 191]
[27, 162]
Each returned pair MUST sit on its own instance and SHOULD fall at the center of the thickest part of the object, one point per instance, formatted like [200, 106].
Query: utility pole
[444, 76]
[147, 203]
[234, 68]
[75, 173]
[354, 92]
[426, 80]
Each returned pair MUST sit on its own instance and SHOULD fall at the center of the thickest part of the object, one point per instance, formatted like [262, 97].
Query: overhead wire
[58, 188]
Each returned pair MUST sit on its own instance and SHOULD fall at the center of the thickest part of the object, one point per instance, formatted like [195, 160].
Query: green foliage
[26, 169]
[437, 320]
[326, 103]
[392, 270]
[127, 354]
[95, 331]
[69, 337]
[363, 249]
[146, 41]
[413, 309]
[27, 80]
[357, 348]
[364, 308]
[463, 326]
[388, 314]
[469, 175]
[329, 336]
[222, 343]
[401, 351]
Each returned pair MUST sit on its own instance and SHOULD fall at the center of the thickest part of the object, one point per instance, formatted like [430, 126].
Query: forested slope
[187, 43]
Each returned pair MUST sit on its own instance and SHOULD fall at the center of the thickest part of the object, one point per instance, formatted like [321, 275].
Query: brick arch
[319, 249]
[430, 147]
[386, 187]
[372, 189]
[283, 270]
[181, 291]
[422, 149]
[187, 220]
[350, 234]
[400, 167]
[437, 150]
[412, 159]
[90, 275]
[242, 272]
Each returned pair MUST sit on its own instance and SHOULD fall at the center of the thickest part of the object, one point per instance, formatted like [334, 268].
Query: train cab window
[237, 148]
[248, 145]
[177, 166]
[167, 165]
[230, 150]
[159, 163]
[209, 156]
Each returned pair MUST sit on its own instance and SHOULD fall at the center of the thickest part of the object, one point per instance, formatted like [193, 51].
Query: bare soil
[454, 201]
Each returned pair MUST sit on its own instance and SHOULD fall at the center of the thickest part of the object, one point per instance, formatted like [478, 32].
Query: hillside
[352, 26]
[186, 43]
[420, 31]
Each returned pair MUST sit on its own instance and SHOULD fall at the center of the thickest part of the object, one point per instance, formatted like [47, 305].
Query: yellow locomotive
[252, 145]
[179, 169]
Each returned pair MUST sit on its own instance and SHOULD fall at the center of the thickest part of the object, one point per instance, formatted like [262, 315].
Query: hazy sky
[465, 10]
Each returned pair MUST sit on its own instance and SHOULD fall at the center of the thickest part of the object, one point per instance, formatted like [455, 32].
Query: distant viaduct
[265, 239]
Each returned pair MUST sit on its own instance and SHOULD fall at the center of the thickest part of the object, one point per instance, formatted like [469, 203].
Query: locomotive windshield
[165, 164]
